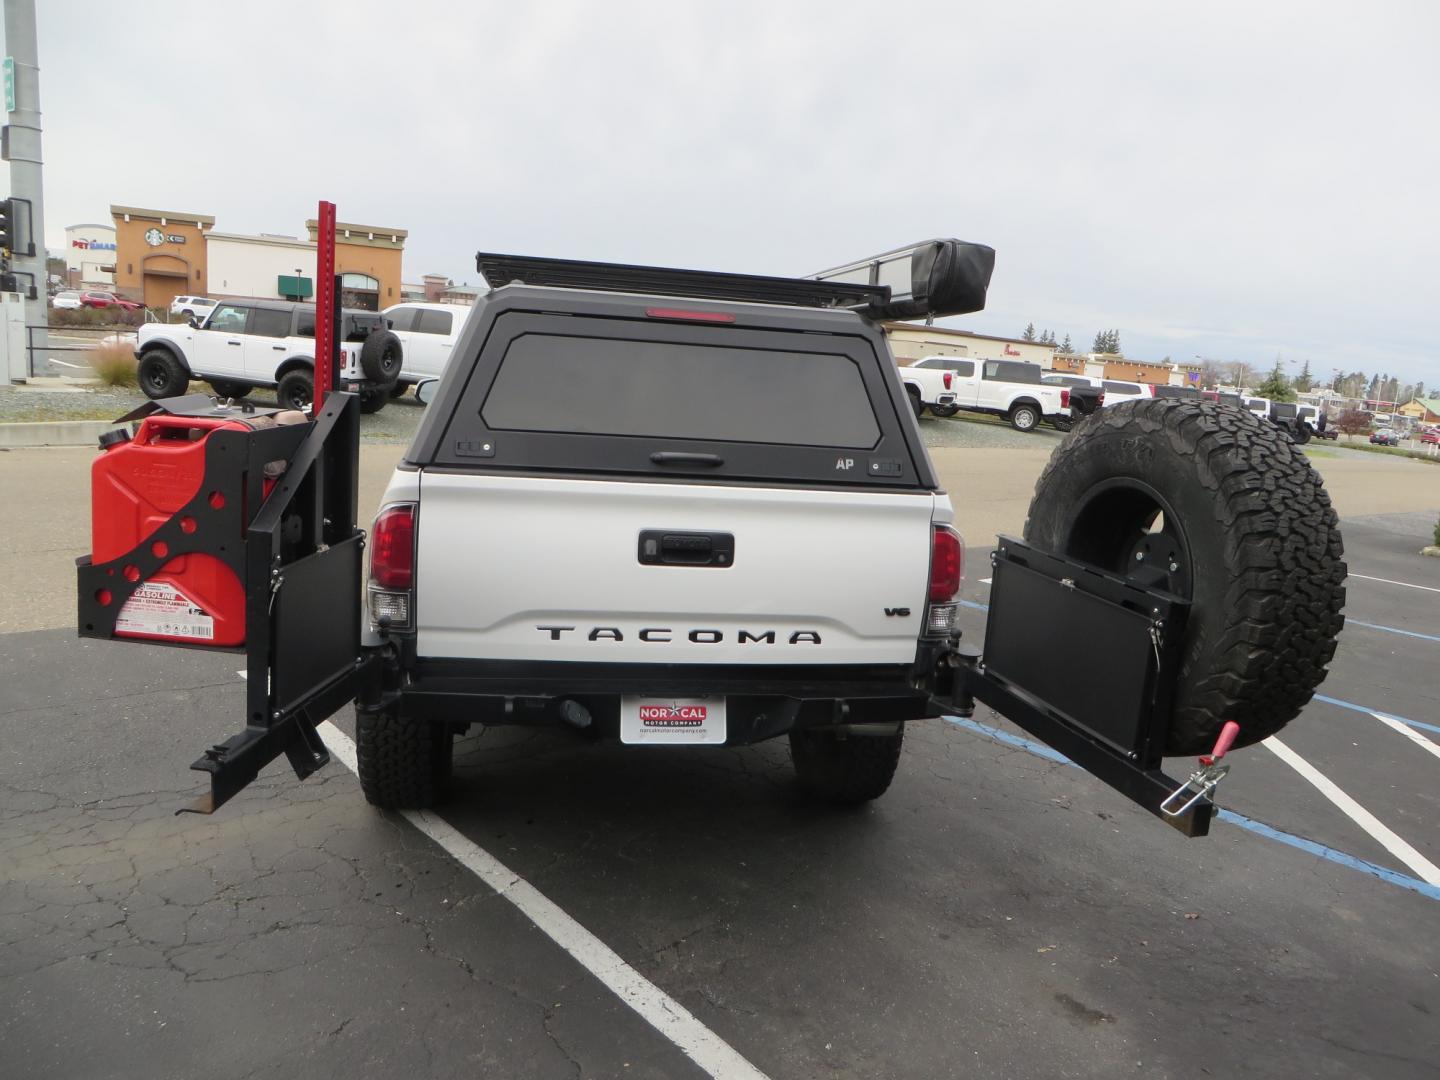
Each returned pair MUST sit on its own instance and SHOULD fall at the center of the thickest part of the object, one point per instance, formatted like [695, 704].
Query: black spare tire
[1218, 506]
[380, 357]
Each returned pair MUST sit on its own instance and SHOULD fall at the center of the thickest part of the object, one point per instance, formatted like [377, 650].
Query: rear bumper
[761, 702]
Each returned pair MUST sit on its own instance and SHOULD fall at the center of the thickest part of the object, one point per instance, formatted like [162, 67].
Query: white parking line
[985, 581]
[1388, 581]
[1422, 867]
[1409, 732]
[701, 1045]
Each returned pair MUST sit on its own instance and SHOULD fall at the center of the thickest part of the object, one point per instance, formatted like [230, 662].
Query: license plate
[694, 721]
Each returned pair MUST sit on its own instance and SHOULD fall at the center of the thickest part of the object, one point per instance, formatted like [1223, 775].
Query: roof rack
[501, 270]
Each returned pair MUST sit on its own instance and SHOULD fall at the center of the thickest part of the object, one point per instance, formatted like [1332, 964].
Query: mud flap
[1084, 661]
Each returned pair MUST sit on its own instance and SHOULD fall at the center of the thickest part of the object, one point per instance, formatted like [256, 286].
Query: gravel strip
[977, 430]
[395, 423]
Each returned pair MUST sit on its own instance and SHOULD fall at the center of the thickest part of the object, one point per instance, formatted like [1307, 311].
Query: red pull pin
[1228, 733]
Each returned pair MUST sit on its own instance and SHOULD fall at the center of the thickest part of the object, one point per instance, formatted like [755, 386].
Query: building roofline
[90, 225]
[168, 215]
[949, 330]
[277, 241]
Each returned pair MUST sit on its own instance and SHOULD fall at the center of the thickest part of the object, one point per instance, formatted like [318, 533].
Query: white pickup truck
[1008, 388]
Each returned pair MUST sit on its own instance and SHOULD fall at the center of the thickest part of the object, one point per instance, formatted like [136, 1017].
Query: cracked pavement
[996, 914]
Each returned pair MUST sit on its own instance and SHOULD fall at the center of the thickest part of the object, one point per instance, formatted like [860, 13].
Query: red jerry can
[138, 485]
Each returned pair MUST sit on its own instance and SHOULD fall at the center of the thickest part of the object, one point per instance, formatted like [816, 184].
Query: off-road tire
[296, 389]
[844, 769]
[1266, 563]
[403, 764]
[380, 357]
[1024, 418]
[1301, 433]
[233, 390]
[161, 375]
[372, 401]
[398, 390]
[944, 410]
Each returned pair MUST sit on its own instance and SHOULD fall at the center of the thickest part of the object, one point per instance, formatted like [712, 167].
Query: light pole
[299, 292]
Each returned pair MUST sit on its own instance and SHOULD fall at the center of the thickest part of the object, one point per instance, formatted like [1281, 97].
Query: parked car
[1259, 406]
[427, 334]
[1008, 388]
[1430, 436]
[108, 300]
[1086, 392]
[1117, 391]
[195, 307]
[69, 300]
[250, 343]
[1385, 437]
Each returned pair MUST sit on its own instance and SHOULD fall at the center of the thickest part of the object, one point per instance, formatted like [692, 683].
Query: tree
[1029, 334]
[1353, 422]
[1304, 381]
[1420, 388]
[1065, 345]
[1392, 389]
[1100, 342]
[1275, 385]
[1210, 374]
[1240, 373]
[1372, 390]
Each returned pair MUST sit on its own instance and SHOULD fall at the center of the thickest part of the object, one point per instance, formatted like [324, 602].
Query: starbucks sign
[154, 237]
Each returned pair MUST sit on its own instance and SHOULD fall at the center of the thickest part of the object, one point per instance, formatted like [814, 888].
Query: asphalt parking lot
[600, 913]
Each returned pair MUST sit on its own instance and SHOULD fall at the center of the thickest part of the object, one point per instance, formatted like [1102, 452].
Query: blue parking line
[1310, 847]
[1390, 629]
[1376, 712]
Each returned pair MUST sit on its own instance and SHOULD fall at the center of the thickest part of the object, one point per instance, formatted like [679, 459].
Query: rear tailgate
[522, 568]
[767, 456]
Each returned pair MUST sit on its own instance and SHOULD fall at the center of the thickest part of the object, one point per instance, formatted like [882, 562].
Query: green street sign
[9, 84]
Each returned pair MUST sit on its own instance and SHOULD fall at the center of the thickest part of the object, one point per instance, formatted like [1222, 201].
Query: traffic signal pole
[27, 258]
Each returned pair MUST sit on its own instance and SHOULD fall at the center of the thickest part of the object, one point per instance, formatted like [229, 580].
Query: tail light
[1100, 400]
[947, 564]
[1065, 398]
[949, 378]
[392, 566]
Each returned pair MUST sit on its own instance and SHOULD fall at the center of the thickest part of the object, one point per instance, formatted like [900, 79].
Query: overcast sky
[1228, 181]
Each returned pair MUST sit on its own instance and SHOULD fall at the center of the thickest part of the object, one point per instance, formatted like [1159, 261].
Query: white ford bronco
[243, 344]
[671, 507]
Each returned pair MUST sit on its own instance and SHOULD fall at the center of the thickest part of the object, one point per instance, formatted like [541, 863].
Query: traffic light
[7, 224]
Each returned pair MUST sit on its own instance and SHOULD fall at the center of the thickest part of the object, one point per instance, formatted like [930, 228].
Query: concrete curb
[52, 433]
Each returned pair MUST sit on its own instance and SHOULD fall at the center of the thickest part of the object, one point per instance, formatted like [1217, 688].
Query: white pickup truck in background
[1008, 388]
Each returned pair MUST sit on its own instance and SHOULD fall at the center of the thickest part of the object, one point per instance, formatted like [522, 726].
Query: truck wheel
[403, 764]
[398, 390]
[161, 375]
[372, 401]
[844, 770]
[915, 402]
[296, 389]
[1301, 433]
[944, 410]
[1024, 417]
[380, 357]
[1063, 423]
[232, 390]
[1215, 505]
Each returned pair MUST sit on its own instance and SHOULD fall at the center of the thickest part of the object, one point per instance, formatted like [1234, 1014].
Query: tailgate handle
[680, 457]
[666, 547]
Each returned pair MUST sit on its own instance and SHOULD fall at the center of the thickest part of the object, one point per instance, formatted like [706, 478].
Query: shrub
[1353, 422]
[114, 364]
[1437, 534]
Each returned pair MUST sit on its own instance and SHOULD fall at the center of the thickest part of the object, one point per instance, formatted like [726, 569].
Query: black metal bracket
[1086, 662]
[298, 553]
